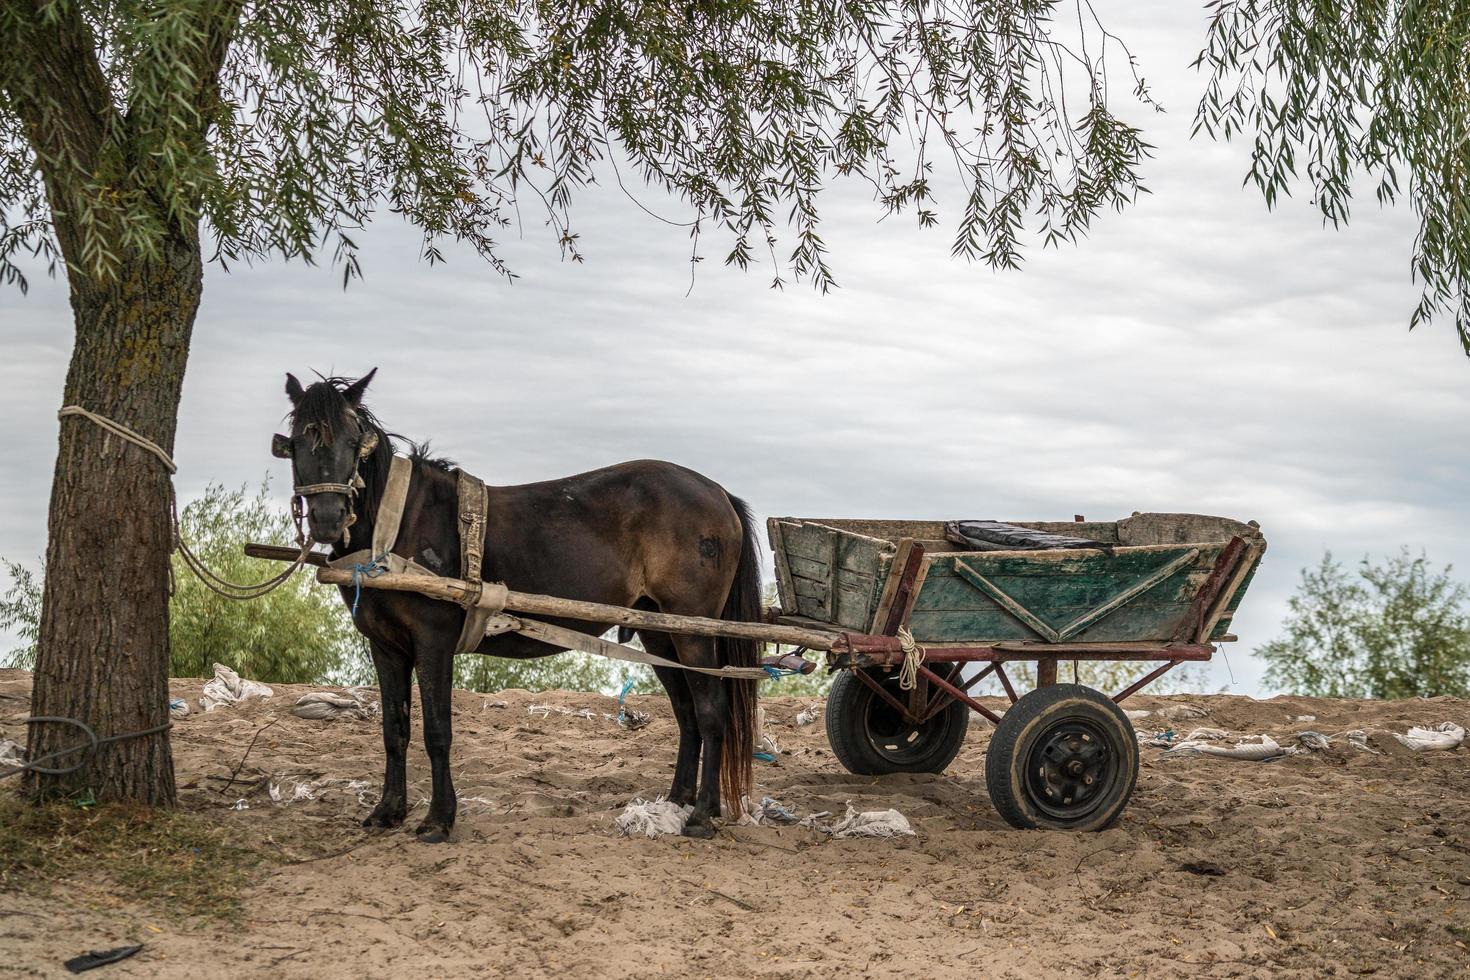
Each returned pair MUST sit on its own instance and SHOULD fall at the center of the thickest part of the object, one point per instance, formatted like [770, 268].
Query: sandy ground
[1345, 863]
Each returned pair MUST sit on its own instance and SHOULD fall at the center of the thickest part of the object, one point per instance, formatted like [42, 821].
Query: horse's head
[331, 434]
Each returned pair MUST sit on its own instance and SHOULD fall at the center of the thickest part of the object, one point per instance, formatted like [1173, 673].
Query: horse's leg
[686, 768]
[394, 687]
[436, 686]
[711, 712]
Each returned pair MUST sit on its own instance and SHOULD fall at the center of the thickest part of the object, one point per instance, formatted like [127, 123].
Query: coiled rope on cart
[913, 659]
[211, 580]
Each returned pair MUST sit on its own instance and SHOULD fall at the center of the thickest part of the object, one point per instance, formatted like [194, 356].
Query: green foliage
[300, 633]
[284, 126]
[20, 611]
[1329, 91]
[562, 672]
[1397, 629]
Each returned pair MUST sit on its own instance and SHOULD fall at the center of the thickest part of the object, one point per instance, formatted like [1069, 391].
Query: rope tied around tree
[211, 580]
[913, 659]
[87, 748]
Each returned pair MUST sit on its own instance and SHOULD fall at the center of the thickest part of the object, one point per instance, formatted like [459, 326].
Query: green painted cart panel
[834, 572]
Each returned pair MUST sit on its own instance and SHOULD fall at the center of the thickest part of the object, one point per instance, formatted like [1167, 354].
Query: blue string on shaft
[371, 569]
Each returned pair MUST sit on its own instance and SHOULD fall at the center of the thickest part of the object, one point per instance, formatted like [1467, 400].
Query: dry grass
[168, 860]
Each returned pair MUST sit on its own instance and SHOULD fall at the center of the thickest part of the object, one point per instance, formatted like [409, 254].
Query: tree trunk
[103, 651]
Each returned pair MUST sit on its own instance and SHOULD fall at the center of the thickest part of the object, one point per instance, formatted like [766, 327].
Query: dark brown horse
[646, 534]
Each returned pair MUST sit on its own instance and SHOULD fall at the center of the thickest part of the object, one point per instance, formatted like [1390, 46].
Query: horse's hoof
[700, 830]
[432, 833]
[383, 821]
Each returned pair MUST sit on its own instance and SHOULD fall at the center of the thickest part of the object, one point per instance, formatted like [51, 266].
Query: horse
[646, 534]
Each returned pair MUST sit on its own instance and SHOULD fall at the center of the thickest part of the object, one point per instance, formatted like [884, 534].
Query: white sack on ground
[1266, 748]
[178, 708]
[872, 823]
[1445, 735]
[330, 705]
[11, 754]
[227, 689]
[644, 819]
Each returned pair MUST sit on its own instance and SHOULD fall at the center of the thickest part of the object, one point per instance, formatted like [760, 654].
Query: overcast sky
[1197, 353]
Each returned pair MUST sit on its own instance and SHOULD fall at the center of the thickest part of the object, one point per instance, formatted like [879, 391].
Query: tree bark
[103, 649]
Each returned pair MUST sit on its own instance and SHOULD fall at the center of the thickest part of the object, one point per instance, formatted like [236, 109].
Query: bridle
[281, 449]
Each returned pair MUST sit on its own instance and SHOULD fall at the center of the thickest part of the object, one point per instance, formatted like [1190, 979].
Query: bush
[298, 634]
[1397, 629]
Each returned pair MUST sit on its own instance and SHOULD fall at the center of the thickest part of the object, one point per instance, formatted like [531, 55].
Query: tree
[1339, 91]
[133, 131]
[1399, 629]
[298, 634]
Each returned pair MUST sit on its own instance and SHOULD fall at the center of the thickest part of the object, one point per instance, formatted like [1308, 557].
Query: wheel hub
[1067, 766]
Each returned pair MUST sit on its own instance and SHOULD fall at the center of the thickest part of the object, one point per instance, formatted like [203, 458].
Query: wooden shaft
[453, 590]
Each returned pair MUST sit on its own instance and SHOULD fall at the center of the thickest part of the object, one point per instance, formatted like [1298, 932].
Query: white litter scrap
[11, 754]
[296, 793]
[545, 710]
[1263, 748]
[178, 708]
[331, 705]
[768, 812]
[1446, 735]
[644, 819]
[871, 823]
[808, 715]
[227, 689]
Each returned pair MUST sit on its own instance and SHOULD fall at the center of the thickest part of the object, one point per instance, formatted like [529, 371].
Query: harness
[474, 501]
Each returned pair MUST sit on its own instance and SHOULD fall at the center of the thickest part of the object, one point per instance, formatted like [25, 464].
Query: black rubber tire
[870, 738]
[1039, 741]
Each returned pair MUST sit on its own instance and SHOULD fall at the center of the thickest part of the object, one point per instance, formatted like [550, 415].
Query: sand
[1337, 864]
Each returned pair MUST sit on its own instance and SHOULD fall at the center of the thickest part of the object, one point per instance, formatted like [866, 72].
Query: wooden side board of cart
[877, 597]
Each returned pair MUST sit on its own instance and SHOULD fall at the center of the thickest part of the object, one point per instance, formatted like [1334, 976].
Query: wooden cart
[899, 612]
[1064, 755]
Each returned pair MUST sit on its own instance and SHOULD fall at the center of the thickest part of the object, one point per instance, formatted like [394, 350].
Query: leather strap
[474, 501]
[390, 510]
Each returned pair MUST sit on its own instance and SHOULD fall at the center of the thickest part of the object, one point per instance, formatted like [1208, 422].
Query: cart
[899, 613]
[897, 593]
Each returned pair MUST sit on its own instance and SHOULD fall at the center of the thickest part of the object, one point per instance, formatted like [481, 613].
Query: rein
[212, 580]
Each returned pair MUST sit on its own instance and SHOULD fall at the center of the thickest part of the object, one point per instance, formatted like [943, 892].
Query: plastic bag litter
[11, 754]
[808, 715]
[178, 708]
[872, 823]
[227, 689]
[1173, 712]
[644, 819]
[1445, 735]
[330, 705]
[766, 813]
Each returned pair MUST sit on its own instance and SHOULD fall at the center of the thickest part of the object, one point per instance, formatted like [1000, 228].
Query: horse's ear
[294, 391]
[281, 446]
[354, 391]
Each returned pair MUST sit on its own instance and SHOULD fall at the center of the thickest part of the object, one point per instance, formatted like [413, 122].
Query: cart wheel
[870, 737]
[1064, 757]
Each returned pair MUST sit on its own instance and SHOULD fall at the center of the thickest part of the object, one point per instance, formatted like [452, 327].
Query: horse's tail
[743, 604]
